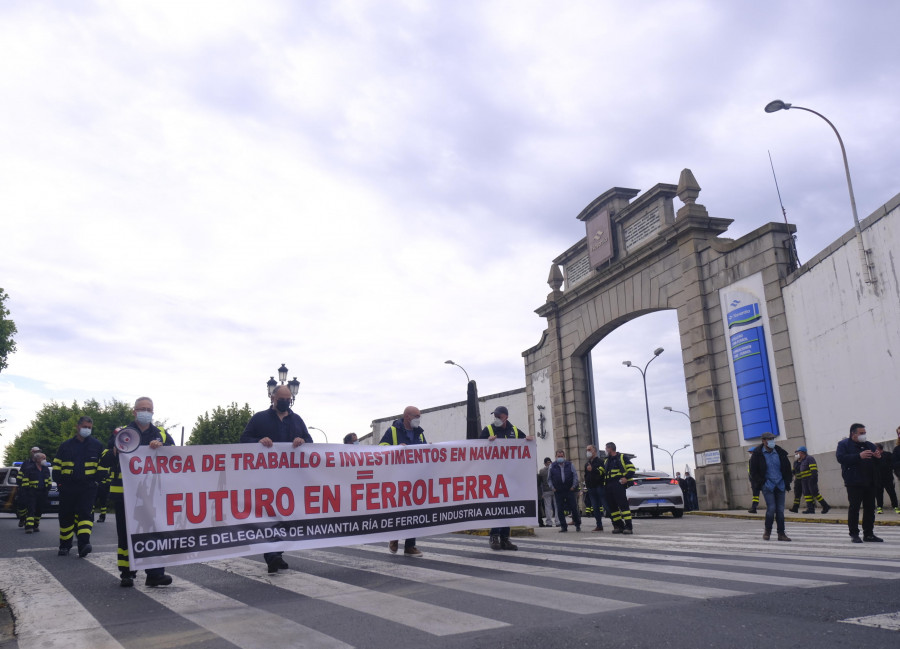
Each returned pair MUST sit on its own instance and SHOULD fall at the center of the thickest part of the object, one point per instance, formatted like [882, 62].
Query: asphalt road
[694, 582]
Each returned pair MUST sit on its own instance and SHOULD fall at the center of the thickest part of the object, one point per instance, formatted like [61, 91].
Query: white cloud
[196, 193]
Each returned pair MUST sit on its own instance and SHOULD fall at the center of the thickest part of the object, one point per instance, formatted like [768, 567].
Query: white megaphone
[127, 440]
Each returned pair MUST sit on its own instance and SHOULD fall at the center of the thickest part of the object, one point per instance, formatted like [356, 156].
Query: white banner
[196, 503]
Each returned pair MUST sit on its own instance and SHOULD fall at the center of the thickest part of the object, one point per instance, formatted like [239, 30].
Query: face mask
[770, 443]
[282, 405]
[861, 438]
[84, 432]
[356, 442]
[589, 454]
[796, 456]
[415, 422]
[497, 422]
[46, 463]
[560, 459]
[143, 417]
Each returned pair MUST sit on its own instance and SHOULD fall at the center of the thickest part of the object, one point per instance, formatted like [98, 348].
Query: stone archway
[640, 256]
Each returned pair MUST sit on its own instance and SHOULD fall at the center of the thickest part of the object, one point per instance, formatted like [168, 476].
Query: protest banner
[197, 503]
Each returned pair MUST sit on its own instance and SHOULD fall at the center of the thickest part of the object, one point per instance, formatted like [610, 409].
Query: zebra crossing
[342, 597]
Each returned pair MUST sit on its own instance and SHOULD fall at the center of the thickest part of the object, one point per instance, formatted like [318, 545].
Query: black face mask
[282, 405]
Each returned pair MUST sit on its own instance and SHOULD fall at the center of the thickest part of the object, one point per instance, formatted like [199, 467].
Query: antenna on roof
[792, 247]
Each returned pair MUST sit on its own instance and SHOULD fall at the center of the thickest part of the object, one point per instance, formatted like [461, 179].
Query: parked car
[655, 493]
[9, 485]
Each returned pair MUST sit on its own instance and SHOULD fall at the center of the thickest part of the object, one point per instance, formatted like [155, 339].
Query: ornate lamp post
[293, 385]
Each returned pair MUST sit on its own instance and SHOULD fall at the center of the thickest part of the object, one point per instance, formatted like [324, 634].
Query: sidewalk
[835, 516]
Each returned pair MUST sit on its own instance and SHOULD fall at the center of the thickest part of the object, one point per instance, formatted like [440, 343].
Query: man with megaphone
[140, 432]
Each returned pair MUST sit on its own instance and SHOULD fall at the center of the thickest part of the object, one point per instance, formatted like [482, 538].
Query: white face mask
[497, 422]
[796, 456]
[84, 432]
[589, 454]
[861, 438]
[415, 422]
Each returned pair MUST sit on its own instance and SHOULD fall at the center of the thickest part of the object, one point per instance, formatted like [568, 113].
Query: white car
[654, 493]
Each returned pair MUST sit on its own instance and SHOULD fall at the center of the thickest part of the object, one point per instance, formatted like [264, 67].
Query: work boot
[506, 545]
[794, 509]
[63, 552]
[494, 542]
[871, 538]
[618, 530]
[628, 530]
[752, 510]
[809, 511]
[825, 507]
[21, 522]
[101, 518]
[783, 537]
[84, 550]
[854, 538]
[158, 580]
[37, 528]
[126, 581]
[29, 530]
[766, 535]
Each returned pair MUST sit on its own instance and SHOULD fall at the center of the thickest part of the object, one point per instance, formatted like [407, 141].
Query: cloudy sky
[193, 193]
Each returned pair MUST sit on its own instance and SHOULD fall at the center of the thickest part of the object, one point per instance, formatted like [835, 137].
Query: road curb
[788, 517]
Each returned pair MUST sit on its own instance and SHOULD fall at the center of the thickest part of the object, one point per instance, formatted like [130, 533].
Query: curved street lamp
[321, 431]
[460, 367]
[656, 353]
[671, 454]
[669, 408]
[774, 107]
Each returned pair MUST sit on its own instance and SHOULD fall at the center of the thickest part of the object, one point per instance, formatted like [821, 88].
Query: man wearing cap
[23, 484]
[502, 428]
[810, 478]
[550, 518]
[406, 431]
[858, 458]
[770, 471]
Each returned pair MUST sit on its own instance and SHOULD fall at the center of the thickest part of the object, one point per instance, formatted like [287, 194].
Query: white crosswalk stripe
[582, 574]
[36, 598]
[234, 621]
[504, 591]
[436, 620]
[605, 553]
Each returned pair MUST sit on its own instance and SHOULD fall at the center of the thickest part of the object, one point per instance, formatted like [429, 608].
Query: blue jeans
[598, 502]
[774, 509]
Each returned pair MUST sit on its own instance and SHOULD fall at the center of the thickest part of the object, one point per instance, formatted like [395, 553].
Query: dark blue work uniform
[267, 423]
[394, 436]
[77, 469]
[505, 432]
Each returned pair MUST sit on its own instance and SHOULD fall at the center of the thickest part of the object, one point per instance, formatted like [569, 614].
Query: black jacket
[594, 477]
[266, 423]
[758, 467]
[856, 471]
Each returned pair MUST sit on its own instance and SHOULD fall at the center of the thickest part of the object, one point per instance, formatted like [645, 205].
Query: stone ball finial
[555, 280]
[688, 189]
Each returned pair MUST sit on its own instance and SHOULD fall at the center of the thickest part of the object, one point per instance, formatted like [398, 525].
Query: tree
[224, 426]
[7, 332]
[55, 423]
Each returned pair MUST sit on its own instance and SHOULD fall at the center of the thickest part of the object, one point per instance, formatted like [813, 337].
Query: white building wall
[845, 337]
[447, 423]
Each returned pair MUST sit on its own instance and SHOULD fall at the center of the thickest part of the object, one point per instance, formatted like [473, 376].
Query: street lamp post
[775, 106]
[671, 454]
[669, 408]
[321, 431]
[656, 353]
[293, 384]
[460, 367]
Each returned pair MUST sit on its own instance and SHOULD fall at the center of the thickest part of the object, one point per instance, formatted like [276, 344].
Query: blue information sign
[754, 380]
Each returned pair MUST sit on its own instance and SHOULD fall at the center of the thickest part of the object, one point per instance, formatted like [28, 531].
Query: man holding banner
[278, 423]
[405, 432]
[150, 436]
